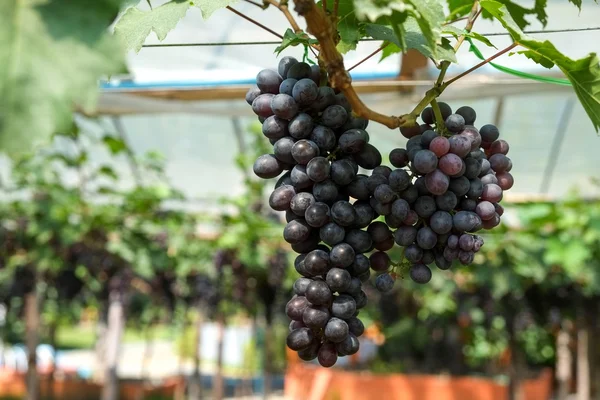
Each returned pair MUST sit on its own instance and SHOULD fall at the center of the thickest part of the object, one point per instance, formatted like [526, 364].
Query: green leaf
[540, 11]
[516, 11]
[135, 25]
[577, 3]
[414, 39]
[52, 55]
[584, 74]
[456, 32]
[372, 10]
[459, 8]
[115, 145]
[108, 171]
[290, 38]
[208, 7]
[348, 26]
[429, 15]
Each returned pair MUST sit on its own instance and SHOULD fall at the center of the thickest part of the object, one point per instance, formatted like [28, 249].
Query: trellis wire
[274, 42]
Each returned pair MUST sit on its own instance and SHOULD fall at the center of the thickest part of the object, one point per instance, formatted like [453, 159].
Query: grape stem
[439, 120]
[233, 10]
[481, 64]
[383, 46]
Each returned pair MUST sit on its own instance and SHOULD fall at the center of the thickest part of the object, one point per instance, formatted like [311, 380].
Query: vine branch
[487, 60]
[320, 26]
[233, 10]
[383, 46]
[283, 7]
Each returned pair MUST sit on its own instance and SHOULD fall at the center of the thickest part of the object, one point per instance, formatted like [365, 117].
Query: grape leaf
[516, 11]
[291, 38]
[52, 55]
[459, 8]
[584, 74]
[135, 25]
[372, 10]
[577, 3]
[429, 15]
[540, 11]
[348, 26]
[456, 32]
[208, 7]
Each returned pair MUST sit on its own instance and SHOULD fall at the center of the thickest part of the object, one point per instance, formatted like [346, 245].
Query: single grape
[425, 161]
[460, 145]
[499, 209]
[284, 106]
[499, 146]
[384, 194]
[301, 126]
[445, 109]
[361, 298]
[440, 146]
[446, 201]
[420, 273]
[355, 326]
[468, 204]
[315, 73]
[300, 70]
[353, 141]
[275, 127]
[342, 172]
[325, 191]
[465, 221]
[296, 325]
[427, 137]
[437, 182]
[492, 193]
[413, 253]
[316, 262]
[468, 114]
[427, 115]
[285, 179]
[489, 133]
[308, 245]
[412, 218]
[299, 265]
[300, 286]
[304, 150]
[380, 208]
[466, 257]
[318, 293]
[334, 116]
[405, 235]
[489, 178]
[300, 178]
[384, 283]
[452, 242]
[316, 317]
[342, 255]
[499, 162]
[336, 330]
[281, 197]
[460, 186]
[475, 188]
[287, 86]
[471, 133]
[295, 307]
[505, 180]
[410, 131]
[348, 346]
[299, 339]
[252, 94]
[375, 180]
[410, 194]
[369, 157]
[267, 166]
[441, 262]
[425, 206]
[332, 234]
[360, 240]
[341, 100]
[262, 105]
[455, 123]
[305, 92]
[466, 242]
[380, 261]
[399, 158]
[285, 64]
[317, 214]
[311, 352]
[354, 123]
[364, 214]
[421, 186]
[426, 238]
[318, 169]
[385, 245]
[338, 279]
[379, 231]
[325, 98]
[343, 306]
[323, 137]
[296, 231]
[343, 213]
[300, 203]
[359, 265]
[358, 188]
[268, 81]
[441, 222]
[485, 167]
[451, 164]
[492, 223]
[428, 257]
[328, 355]
[472, 168]
[355, 285]
[283, 150]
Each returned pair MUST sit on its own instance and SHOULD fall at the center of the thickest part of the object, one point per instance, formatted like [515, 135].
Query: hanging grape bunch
[446, 185]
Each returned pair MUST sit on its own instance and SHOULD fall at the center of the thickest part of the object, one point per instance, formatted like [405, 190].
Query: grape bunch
[442, 189]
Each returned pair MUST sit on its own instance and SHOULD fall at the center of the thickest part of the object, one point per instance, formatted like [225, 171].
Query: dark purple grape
[262, 105]
[499, 147]
[489, 133]
[425, 206]
[425, 161]
[252, 94]
[446, 201]
[475, 188]
[455, 123]
[471, 133]
[405, 235]
[360, 240]
[354, 123]
[399, 158]
[379, 231]
[318, 293]
[283, 149]
[336, 330]
[304, 150]
[427, 115]
[323, 137]
[284, 106]
[441, 222]
[301, 126]
[410, 194]
[437, 182]
[468, 114]
[380, 261]
[441, 262]
[468, 204]
[369, 157]
[380, 208]
[450, 254]
[375, 180]
[341, 100]
[267, 166]
[353, 141]
[384, 194]
[364, 214]
[445, 109]
[300, 203]
[296, 325]
[491, 193]
[450, 164]
[287, 86]
[466, 221]
[348, 346]
[334, 116]
[305, 92]
[343, 306]
[316, 262]
[499, 162]
[275, 127]
[338, 279]
[285, 64]
[296, 231]
[505, 180]
[343, 213]
[385, 245]
[420, 273]
[268, 81]
[384, 283]
[361, 299]
[440, 146]
[325, 191]
[492, 223]
[413, 253]
[341, 255]
[295, 307]
[317, 214]
[281, 197]
[328, 355]
[315, 73]
[300, 178]
[300, 339]
[311, 352]
[472, 168]
[300, 286]
[489, 178]
[460, 145]
[332, 233]
[426, 238]
[466, 257]
[300, 70]
[428, 257]
[427, 137]
[358, 188]
[460, 186]
[318, 169]
[316, 317]
[410, 131]
[452, 241]
[412, 218]
[342, 172]
[325, 98]
[359, 265]
[466, 242]
[355, 326]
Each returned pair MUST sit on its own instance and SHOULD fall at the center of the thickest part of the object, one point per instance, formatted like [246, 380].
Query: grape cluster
[440, 192]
